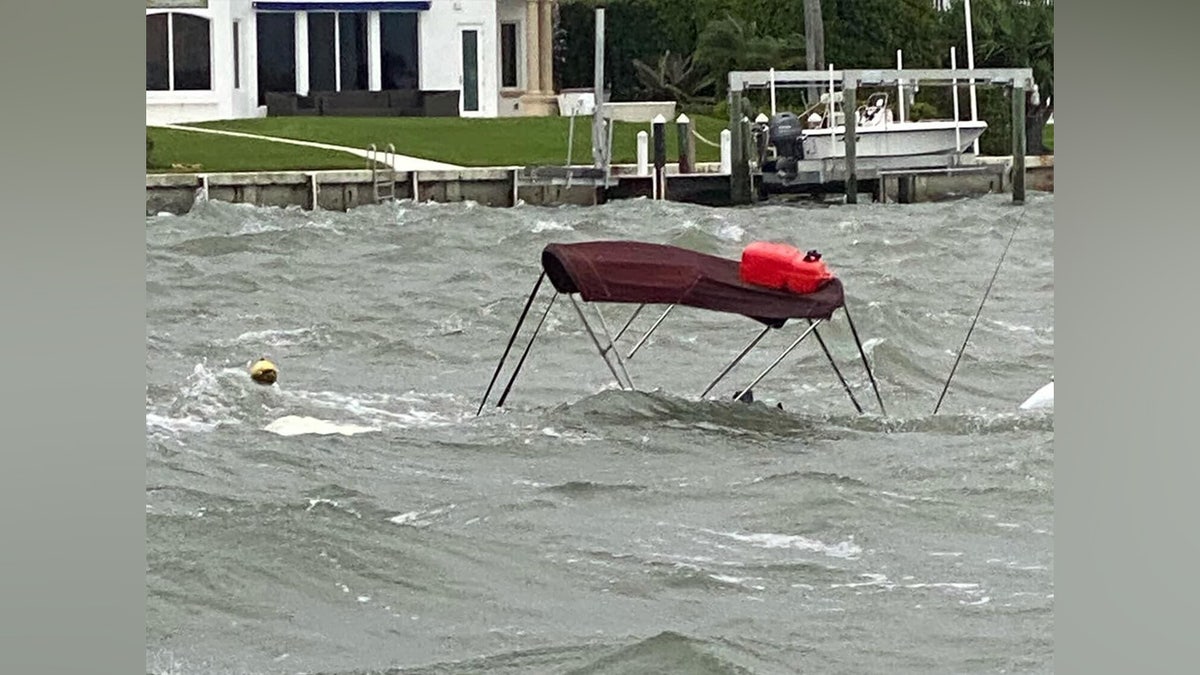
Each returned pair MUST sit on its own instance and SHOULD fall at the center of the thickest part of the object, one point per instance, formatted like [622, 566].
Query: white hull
[1042, 398]
[893, 139]
[296, 425]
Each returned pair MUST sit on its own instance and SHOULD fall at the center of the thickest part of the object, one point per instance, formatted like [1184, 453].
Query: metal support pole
[612, 346]
[599, 156]
[777, 361]
[645, 337]
[571, 137]
[971, 66]
[836, 370]
[862, 353]
[596, 341]
[516, 329]
[736, 360]
[521, 362]
[954, 90]
[850, 109]
[630, 321]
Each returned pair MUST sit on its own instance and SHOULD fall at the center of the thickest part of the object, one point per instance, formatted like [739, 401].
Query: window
[508, 55]
[276, 53]
[178, 52]
[158, 63]
[352, 48]
[192, 55]
[337, 51]
[398, 48]
[237, 55]
[322, 52]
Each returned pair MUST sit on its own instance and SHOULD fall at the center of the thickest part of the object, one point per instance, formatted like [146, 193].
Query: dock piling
[726, 150]
[739, 175]
[687, 144]
[1018, 143]
[659, 130]
[643, 153]
[849, 107]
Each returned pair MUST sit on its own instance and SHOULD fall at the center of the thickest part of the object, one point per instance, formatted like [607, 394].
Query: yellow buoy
[264, 372]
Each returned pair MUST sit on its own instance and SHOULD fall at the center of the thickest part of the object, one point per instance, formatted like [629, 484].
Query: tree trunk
[814, 43]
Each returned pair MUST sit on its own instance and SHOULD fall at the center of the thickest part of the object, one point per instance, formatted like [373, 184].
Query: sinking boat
[1041, 399]
[772, 285]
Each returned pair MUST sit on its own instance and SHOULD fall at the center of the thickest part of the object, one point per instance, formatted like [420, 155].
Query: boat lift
[1017, 80]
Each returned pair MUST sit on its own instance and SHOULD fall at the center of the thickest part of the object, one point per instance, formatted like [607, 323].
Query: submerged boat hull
[901, 139]
[1042, 398]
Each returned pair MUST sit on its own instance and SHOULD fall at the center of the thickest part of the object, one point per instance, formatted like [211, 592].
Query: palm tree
[1012, 34]
[676, 78]
[814, 42]
[731, 44]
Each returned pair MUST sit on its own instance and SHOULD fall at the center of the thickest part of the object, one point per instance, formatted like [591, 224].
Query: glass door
[470, 70]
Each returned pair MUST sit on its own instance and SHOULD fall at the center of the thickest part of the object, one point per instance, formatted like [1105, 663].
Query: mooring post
[760, 147]
[726, 148]
[748, 139]
[659, 130]
[849, 107]
[739, 173]
[643, 153]
[1018, 143]
[687, 144]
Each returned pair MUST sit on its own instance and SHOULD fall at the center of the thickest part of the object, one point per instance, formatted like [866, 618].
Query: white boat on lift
[819, 133]
[880, 135]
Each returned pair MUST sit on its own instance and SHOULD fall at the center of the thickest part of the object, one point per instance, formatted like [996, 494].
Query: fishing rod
[986, 292]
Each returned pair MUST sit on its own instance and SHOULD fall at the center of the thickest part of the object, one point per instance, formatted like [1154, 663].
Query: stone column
[546, 46]
[532, 74]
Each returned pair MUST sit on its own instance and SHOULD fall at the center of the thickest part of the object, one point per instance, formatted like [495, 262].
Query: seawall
[342, 190]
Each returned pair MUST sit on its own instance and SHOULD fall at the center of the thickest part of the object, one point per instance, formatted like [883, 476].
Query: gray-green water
[582, 529]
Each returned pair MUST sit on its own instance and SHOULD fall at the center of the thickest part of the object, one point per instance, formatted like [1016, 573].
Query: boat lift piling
[851, 169]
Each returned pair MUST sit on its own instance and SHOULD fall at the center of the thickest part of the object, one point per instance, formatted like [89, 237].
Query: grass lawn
[1048, 137]
[227, 153]
[505, 141]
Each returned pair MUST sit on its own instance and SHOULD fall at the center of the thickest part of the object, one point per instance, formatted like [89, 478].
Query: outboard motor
[786, 134]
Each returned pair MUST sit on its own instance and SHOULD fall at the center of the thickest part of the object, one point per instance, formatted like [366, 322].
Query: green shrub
[921, 110]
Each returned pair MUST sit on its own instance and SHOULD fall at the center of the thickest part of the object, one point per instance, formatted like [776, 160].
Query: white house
[218, 59]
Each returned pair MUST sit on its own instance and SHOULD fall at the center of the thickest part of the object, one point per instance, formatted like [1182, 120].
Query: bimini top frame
[643, 273]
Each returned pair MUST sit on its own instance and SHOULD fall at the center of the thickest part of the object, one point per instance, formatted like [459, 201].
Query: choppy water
[581, 529]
